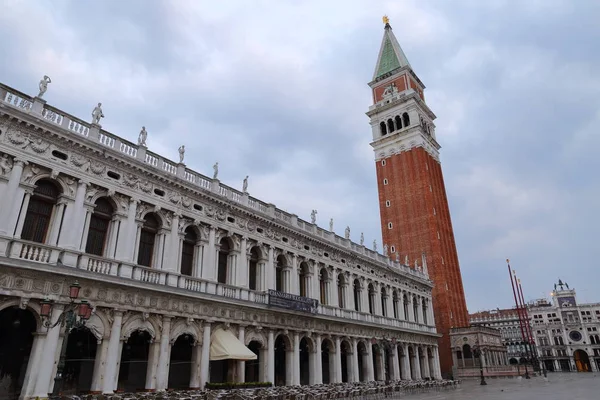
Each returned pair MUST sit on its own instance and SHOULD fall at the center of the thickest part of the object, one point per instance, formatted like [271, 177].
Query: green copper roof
[391, 55]
[388, 60]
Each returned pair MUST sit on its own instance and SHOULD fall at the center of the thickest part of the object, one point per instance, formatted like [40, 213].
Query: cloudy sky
[278, 90]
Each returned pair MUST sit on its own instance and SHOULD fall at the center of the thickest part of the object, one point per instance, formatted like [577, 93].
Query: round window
[575, 336]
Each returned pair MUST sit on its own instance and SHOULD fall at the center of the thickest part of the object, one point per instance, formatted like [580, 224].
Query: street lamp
[477, 352]
[69, 319]
[525, 355]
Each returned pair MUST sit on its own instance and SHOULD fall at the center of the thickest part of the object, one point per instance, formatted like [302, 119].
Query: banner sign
[292, 301]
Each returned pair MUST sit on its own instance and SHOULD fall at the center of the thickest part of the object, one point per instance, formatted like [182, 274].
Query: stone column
[269, 271]
[396, 364]
[318, 364]
[242, 266]
[205, 362]
[54, 230]
[113, 355]
[296, 359]
[292, 279]
[411, 314]
[241, 365]
[389, 303]
[370, 368]
[128, 235]
[209, 264]
[355, 373]
[23, 213]
[11, 202]
[417, 363]
[426, 372]
[152, 368]
[172, 254]
[406, 374]
[338, 360]
[332, 290]
[99, 362]
[271, 352]
[37, 348]
[45, 380]
[164, 358]
[71, 238]
[196, 370]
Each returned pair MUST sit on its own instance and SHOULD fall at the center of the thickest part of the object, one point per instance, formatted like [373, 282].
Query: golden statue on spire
[385, 19]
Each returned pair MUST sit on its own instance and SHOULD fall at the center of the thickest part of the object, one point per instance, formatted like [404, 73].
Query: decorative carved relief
[6, 165]
[26, 140]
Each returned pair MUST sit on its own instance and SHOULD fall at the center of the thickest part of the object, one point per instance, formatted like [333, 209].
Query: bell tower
[415, 217]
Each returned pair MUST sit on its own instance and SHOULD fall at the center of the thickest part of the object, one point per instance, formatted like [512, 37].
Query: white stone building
[171, 262]
[567, 333]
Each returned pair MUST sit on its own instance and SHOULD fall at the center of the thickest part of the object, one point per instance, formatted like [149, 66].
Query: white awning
[224, 345]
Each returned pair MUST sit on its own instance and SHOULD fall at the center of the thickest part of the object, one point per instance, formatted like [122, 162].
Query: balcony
[103, 267]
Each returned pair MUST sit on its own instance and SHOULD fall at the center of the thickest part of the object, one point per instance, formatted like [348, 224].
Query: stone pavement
[560, 386]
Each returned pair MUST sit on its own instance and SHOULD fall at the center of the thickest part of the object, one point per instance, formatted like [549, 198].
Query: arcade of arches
[125, 351]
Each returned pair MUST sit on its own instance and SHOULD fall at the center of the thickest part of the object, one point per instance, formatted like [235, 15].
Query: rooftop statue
[216, 170]
[331, 225]
[97, 114]
[142, 137]
[44, 85]
[313, 217]
[245, 185]
[181, 153]
[347, 232]
[362, 239]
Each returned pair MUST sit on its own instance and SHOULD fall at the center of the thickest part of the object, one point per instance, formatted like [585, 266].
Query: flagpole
[523, 337]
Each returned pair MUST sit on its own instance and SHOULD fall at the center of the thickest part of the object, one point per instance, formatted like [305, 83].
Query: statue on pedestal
[245, 185]
[331, 225]
[374, 245]
[142, 137]
[362, 239]
[313, 217]
[385, 250]
[44, 85]
[347, 233]
[181, 153]
[216, 170]
[97, 114]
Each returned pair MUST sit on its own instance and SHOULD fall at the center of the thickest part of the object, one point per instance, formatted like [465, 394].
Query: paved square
[571, 386]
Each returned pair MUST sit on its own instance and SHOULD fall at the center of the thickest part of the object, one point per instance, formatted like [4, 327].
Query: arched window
[416, 308]
[223, 262]
[424, 306]
[405, 120]
[341, 282]
[390, 125]
[371, 299]
[323, 286]
[405, 301]
[356, 289]
[187, 251]
[396, 305]
[40, 211]
[281, 264]
[383, 302]
[303, 279]
[398, 122]
[147, 239]
[99, 227]
[253, 269]
[383, 128]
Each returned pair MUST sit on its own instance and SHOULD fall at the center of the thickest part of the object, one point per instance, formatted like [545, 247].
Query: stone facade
[415, 216]
[166, 257]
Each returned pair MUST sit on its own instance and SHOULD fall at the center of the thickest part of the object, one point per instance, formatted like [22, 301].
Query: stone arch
[185, 327]
[312, 346]
[34, 307]
[287, 341]
[159, 217]
[262, 253]
[138, 323]
[255, 336]
[99, 325]
[190, 224]
[57, 180]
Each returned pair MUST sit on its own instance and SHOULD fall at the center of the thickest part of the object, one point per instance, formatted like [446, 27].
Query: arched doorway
[362, 361]
[253, 367]
[180, 365]
[223, 263]
[79, 361]
[283, 348]
[305, 350]
[582, 361]
[467, 356]
[134, 362]
[16, 338]
[401, 366]
[327, 350]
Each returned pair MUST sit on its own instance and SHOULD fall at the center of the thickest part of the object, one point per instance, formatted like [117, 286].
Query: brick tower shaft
[415, 216]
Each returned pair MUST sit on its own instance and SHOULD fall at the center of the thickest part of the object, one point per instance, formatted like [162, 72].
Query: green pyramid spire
[391, 55]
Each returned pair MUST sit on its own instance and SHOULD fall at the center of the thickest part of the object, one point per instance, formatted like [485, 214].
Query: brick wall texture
[420, 218]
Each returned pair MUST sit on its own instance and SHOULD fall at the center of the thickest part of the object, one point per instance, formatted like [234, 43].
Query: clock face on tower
[567, 301]
[575, 336]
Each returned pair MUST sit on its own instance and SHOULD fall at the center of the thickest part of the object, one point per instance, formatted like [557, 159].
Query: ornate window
[395, 303]
[371, 299]
[188, 249]
[253, 269]
[416, 308]
[279, 272]
[323, 286]
[356, 289]
[99, 227]
[383, 302]
[383, 128]
[398, 122]
[390, 125]
[303, 280]
[424, 306]
[340, 290]
[148, 235]
[405, 119]
[405, 301]
[223, 261]
[40, 211]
